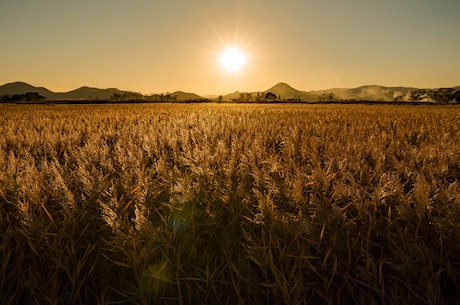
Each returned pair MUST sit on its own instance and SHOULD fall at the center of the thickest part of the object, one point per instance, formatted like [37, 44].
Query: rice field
[229, 204]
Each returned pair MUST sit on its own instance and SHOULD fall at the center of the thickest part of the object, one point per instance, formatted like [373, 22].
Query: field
[229, 204]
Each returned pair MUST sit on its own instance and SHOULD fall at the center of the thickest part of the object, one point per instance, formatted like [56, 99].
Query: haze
[160, 46]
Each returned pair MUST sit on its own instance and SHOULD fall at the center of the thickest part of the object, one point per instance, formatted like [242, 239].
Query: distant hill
[286, 92]
[21, 88]
[231, 96]
[281, 90]
[185, 96]
[82, 93]
[77, 94]
[88, 93]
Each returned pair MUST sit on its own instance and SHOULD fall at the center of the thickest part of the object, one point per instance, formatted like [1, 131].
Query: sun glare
[232, 59]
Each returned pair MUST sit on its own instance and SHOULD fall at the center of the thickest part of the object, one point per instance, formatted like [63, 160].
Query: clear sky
[154, 46]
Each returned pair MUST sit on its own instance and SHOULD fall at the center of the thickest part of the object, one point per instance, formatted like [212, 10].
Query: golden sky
[154, 46]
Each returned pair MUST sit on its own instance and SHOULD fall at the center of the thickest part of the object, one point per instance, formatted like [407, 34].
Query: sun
[232, 59]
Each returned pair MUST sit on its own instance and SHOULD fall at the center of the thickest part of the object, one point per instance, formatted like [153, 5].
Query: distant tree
[168, 97]
[115, 97]
[127, 96]
[326, 97]
[245, 97]
[270, 96]
[417, 95]
[26, 97]
[133, 96]
[220, 98]
[5, 98]
[433, 95]
[445, 95]
[16, 97]
[441, 95]
[33, 96]
[456, 96]
[154, 97]
[259, 97]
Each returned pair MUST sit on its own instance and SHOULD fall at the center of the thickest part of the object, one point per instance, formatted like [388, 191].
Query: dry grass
[229, 204]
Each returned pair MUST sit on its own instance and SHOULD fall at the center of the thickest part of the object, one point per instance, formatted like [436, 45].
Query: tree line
[441, 95]
[134, 96]
[25, 97]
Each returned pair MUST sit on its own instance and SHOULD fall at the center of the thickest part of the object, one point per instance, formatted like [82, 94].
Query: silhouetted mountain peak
[285, 91]
[185, 96]
[282, 86]
[22, 88]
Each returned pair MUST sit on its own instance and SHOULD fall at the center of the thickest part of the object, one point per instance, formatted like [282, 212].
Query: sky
[159, 46]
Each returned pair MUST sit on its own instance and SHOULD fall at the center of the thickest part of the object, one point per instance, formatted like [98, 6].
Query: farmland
[229, 204]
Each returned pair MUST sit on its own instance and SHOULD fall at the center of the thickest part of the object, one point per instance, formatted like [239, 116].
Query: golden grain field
[229, 204]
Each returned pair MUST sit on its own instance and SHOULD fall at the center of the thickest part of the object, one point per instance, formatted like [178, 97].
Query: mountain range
[82, 93]
[284, 91]
[281, 91]
[77, 94]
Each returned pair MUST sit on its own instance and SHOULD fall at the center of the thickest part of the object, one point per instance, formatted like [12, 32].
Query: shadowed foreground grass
[229, 204]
